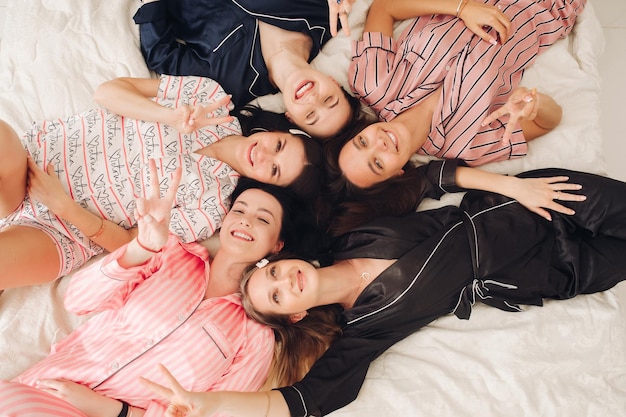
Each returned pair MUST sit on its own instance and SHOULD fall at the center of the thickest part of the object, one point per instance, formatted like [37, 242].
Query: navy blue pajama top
[219, 39]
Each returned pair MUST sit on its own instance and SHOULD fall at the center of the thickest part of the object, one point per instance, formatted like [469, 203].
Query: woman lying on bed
[443, 103]
[157, 295]
[69, 186]
[437, 84]
[253, 48]
[397, 274]
[372, 162]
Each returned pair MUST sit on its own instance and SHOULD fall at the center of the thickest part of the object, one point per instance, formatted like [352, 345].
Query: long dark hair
[346, 206]
[308, 184]
[300, 344]
[299, 230]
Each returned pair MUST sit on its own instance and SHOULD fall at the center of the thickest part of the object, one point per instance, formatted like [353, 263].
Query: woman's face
[376, 154]
[251, 229]
[272, 157]
[315, 103]
[284, 287]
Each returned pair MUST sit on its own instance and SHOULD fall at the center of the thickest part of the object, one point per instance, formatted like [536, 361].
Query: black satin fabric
[219, 39]
[490, 249]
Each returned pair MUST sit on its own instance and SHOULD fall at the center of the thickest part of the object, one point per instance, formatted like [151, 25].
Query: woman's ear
[294, 318]
[278, 247]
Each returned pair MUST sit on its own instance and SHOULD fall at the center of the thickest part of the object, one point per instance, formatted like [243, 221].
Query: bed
[567, 358]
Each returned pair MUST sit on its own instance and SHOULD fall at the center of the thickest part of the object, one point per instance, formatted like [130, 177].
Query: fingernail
[528, 99]
[493, 41]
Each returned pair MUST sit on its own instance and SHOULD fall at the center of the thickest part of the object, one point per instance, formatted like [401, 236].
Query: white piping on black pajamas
[412, 282]
[226, 37]
[256, 30]
[440, 182]
[301, 400]
[287, 19]
[428, 260]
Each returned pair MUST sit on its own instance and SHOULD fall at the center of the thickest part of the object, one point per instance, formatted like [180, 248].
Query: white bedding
[567, 358]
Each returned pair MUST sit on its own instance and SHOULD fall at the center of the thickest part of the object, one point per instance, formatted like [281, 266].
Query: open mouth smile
[241, 235]
[304, 88]
[393, 139]
[251, 153]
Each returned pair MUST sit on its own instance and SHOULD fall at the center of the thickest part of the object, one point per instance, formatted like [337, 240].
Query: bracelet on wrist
[100, 230]
[460, 7]
[124, 410]
[144, 247]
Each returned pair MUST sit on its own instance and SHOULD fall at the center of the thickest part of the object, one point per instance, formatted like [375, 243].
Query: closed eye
[311, 118]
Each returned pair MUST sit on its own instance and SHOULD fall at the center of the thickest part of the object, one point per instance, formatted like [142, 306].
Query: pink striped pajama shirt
[475, 77]
[146, 315]
[101, 159]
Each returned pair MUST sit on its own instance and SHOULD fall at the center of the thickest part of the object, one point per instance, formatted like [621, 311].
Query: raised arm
[133, 97]
[536, 194]
[537, 113]
[384, 13]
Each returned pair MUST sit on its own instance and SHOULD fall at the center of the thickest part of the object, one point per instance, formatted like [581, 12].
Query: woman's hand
[153, 213]
[81, 397]
[523, 104]
[339, 9]
[539, 194]
[188, 118]
[183, 403]
[45, 187]
[478, 15]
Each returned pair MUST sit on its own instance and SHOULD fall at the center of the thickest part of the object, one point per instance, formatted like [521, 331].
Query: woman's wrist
[147, 248]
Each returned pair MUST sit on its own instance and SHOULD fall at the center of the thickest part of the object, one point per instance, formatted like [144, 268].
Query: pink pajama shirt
[475, 77]
[146, 315]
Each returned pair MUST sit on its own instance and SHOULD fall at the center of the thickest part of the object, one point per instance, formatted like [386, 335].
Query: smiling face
[315, 103]
[377, 153]
[251, 229]
[286, 287]
[271, 157]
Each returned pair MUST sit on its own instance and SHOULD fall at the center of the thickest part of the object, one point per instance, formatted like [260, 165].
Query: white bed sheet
[567, 358]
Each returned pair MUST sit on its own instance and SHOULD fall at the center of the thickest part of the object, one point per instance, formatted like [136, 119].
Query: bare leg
[28, 256]
[13, 170]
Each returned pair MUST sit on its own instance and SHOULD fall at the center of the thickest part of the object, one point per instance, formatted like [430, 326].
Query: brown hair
[298, 345]
[347, 206]
[307, 185]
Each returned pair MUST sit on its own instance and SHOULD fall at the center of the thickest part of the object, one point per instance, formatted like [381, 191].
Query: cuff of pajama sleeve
[443, 173]
[295, 400]
[150, 12]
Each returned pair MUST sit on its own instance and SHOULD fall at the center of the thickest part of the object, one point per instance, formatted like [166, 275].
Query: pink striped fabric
[476, 77]
[152, 314]
[25, 401]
